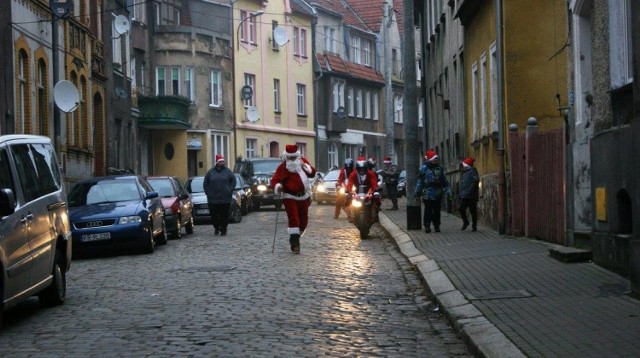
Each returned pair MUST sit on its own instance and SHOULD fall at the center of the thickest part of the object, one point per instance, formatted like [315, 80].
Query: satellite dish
[66, 96]
[121, 24]
[252, 114]
[120, 92]
[399, 105]
[280, 36]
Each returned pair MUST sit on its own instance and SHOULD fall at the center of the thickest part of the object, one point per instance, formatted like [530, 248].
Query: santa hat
[430, 155]
[467, 163]
[291, 150]
[219, 158]
[387, 160]
[361, 162]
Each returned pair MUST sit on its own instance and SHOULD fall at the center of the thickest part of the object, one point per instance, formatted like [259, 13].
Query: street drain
[220, 268]
[496, 295]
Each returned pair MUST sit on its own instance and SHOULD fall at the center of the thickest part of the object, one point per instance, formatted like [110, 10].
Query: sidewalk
[508, 298]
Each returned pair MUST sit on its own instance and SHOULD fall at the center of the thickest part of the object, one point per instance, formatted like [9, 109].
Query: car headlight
[262, 187]
[321, 188]
[130, 219]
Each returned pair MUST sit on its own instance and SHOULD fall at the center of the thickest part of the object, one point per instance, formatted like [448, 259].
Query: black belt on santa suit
[299, 194]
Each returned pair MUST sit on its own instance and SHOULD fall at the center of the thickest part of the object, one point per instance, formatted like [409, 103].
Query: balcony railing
[163, 112]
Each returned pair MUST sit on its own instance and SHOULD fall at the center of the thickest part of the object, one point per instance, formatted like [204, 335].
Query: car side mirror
[7, 202]
[151, 195]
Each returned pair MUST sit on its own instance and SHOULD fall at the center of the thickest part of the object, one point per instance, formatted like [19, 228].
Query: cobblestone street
[211, 296]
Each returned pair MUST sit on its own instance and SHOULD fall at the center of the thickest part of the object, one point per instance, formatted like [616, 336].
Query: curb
[480, 335]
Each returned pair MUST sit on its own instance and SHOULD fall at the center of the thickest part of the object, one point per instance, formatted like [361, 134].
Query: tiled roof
[370, 11]
[349, 18]
[335, 64]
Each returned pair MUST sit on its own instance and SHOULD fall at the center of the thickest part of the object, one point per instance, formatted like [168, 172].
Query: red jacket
[370, 181]
[292, 183]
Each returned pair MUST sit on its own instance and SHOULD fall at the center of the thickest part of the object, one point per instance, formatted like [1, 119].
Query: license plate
[96, 237]
[202, 212]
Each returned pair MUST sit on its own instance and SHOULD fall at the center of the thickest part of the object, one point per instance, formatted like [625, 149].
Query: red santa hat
[430, 155]
[361, 162]
[219, 158]
[387, 160]
[291, 150]
[467, 163]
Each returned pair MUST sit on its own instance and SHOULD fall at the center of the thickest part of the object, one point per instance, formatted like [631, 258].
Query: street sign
[246, 92]
[60, 8]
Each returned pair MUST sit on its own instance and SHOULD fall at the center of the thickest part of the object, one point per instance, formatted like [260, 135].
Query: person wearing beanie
[291, 182]
[390, 175]
[432, 185]
[468, 197]
[218, 184]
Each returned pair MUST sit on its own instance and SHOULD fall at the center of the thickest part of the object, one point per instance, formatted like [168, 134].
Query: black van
[258, 172]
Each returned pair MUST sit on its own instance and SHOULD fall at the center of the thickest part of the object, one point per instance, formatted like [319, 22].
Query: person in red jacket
[291, 182]
[341, 198]
[367, 177]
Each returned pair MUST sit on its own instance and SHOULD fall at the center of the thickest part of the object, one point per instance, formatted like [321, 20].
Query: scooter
[363, 211]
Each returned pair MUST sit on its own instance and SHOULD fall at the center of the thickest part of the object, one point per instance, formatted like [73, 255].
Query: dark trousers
[431, 213]
[392, 192]
[219, 216]
[472, 205]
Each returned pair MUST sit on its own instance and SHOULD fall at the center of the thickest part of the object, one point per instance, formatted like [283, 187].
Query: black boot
[294, 240]
[464, 225]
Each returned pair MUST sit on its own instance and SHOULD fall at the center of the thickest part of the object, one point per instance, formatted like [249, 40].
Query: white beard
[294, 165]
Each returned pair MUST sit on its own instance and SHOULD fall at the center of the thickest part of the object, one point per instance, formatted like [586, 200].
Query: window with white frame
[175, 81]
[620, 44]
[366, 52]
[219, 145]
[303, 42]
[351, 99]
[367, 104]
[248, 28]
[161, 81]
[329, 39]
[421, 113]
[398, 116]
[189, 84]
[359, 103]
[250, 80]
[376, 107]
[302, 147]
[168, 13]
[474, 101]
[301, 93]
[215, 83]
[338, 95]
[276, 95]
[493, 86]
[332, 155]
[251, 145]
[116, 44]
[356, 55]
[23, 89]
[483, 94]
[296, 44]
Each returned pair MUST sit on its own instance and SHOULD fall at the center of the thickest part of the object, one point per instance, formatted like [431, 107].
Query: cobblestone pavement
[212, 296]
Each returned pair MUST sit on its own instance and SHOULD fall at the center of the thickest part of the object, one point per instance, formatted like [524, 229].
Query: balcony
[336, 124]
[163, 112]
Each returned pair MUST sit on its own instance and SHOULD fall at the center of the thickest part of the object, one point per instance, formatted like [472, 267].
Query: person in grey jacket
[468, 197]
[219, 183]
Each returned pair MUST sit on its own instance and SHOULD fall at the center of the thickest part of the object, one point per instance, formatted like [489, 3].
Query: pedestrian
[219, 183]
[390, 175]
[291, 182]
[468, 196]
[432, 185]
[341, 189]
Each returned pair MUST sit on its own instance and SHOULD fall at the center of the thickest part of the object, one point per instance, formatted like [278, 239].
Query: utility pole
[388, 91]
[414, 221]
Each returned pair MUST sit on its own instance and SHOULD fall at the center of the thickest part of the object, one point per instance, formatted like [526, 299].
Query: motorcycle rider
[341, 200]
[367, 177]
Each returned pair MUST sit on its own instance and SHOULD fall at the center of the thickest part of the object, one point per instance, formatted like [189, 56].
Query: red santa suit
[291, 180]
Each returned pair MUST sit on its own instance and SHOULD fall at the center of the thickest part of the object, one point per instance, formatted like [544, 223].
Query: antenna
[66, 96]
[280, 36]
[120, 92]
[252, 114]
[121, 24]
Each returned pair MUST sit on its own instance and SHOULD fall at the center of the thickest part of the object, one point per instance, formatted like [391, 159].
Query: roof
[335, 64]
[302, 7]
[342, 9]
[370, 11]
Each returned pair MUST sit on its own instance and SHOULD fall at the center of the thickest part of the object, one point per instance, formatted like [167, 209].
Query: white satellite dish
[66, 96]
[280, 36]
[121, 24]
[252, 114]
[120, 92]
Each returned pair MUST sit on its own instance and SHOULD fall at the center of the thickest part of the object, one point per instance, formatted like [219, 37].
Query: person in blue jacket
[432, 185]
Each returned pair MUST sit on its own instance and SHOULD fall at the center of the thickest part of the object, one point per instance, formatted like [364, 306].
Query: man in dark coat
[219, 183]
[432, 185]
[390, 175]
[468, 197]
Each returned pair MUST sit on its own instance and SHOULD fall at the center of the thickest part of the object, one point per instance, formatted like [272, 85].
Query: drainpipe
[502, 208]
[316, 152]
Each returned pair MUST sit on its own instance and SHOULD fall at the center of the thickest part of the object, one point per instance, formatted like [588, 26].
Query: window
[355, 48]
[276, 95]
[329, 39]
[332, 155]
[483, 94]
[23, 90]
[296, 41]
[303, 42]
[351, 99]
[338, 95]
[421, 113]
[359, 104]
[168, 13]
[394, 62]
[219, 145]
[248, 29]
[160, 81]
[251, 145]
[250, 80]
[301, 91]
[302, 147]
[398, 116]
[493, 87]
[474, 101]
[189, 84]
[366, 52]
[274, 44]
[216, 88]
[116, 44]
[175, 81]
[41, 99]
[621, 48]
[367, 104]
[376, 108]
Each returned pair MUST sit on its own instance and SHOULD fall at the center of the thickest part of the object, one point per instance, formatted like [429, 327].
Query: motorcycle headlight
[342, 191]
[262, 187]
[130, 219]
[356, 203]
[321, 188]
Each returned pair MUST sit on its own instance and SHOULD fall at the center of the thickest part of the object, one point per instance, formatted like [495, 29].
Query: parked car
[402, 184]
[35, 233]
[324, 191]
[178, 207]
[201, 215]
[246, 195]
[258, 172]
[116, 212]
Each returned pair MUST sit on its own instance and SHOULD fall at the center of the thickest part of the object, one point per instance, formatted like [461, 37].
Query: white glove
[376, 194]
[277, 189]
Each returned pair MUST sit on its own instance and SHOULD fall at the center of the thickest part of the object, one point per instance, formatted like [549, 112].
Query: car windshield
[331, 176]
[196, 185]
[162, 186]
[239, 182]
[106, 191]
[266, 167]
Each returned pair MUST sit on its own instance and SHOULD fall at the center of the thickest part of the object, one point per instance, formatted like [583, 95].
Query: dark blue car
[113, 212]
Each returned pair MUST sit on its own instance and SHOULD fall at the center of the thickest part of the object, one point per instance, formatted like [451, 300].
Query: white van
[35, 234]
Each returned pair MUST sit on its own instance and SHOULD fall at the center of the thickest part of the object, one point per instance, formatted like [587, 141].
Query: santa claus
[291, 182]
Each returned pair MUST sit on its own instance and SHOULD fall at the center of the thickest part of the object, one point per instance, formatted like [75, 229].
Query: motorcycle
[363, 211]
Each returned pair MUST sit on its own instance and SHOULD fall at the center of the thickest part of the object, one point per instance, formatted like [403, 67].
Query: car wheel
[56, 293]
[245, 208]
[189, 227]
[150, 243]
[163, 238]
[177, 235]
[236, 215]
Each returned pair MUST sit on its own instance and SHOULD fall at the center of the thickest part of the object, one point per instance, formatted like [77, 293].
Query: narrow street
[211, 296]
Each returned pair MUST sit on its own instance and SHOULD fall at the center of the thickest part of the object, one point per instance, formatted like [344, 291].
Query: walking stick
[275, 228]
